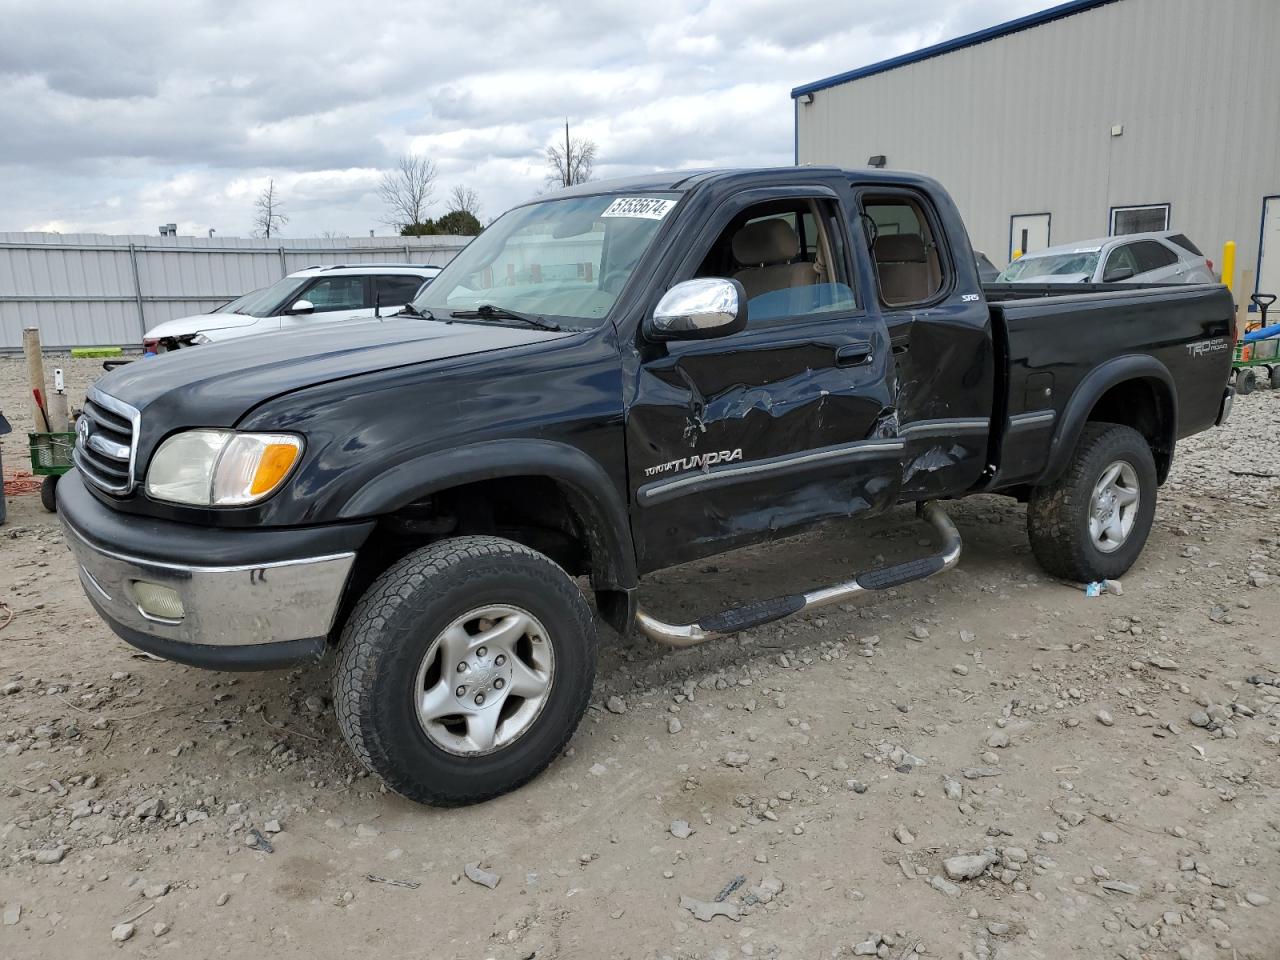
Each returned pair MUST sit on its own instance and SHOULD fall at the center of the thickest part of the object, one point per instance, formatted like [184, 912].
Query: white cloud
[122, 116]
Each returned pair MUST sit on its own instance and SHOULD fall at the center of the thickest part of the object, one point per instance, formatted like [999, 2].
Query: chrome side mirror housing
[699, 310]
[301, 306]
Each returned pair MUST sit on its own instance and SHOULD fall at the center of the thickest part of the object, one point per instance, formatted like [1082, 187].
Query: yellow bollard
[1017, 255]
[1228, 263]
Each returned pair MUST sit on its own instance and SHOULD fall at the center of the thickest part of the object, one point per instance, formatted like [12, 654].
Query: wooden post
[35, 377]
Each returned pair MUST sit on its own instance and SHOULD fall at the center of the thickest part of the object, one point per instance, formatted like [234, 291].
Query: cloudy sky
[121, 115]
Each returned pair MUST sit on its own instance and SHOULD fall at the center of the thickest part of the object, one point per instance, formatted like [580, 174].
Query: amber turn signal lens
[277, 459]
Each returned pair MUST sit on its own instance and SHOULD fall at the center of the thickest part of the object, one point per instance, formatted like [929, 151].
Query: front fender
[596, 498]
[1092, 388]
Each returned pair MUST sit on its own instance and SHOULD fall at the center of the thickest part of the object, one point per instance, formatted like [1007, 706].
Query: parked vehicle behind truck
[621, 377]
[306, 298]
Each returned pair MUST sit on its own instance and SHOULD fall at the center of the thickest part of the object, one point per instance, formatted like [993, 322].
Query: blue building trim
[959, 43]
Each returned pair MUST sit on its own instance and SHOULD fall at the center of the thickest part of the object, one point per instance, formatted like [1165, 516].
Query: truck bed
[1174, 336]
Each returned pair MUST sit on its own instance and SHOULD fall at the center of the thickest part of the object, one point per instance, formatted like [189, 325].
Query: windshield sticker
[646, 208]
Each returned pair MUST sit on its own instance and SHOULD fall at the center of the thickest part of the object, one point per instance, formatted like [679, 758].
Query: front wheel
[464, 669]
[1092, 523]
[1246, 381]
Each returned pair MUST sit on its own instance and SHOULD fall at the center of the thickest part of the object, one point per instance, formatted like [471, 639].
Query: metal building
[1087, 119]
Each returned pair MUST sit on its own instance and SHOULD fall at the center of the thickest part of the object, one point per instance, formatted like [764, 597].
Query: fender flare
[1091, 389]
[593, 494]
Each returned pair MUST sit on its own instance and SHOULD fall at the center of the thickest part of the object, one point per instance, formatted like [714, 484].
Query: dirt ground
[1112, 764]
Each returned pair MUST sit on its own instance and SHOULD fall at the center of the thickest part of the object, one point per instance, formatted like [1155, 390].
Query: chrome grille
[107, 443]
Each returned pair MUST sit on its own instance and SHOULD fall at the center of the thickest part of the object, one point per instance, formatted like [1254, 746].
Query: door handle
[854, 354]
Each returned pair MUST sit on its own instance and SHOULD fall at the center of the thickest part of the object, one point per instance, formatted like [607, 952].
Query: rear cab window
[902, 237]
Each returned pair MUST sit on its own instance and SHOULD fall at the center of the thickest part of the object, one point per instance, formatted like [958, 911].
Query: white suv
[302, 299]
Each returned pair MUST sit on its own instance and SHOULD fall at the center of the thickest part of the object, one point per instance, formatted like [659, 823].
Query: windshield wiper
[487, 311]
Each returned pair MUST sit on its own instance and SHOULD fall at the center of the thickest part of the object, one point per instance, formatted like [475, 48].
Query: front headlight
[221, 468]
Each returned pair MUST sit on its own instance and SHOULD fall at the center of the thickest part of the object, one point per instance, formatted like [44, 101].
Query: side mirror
[1117, 274]
[301, 306]
[699, 310]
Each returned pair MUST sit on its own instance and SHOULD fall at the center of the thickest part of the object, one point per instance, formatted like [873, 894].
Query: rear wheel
[1275, 378]
[1246, 381]
[1092, 523]
[464, 669]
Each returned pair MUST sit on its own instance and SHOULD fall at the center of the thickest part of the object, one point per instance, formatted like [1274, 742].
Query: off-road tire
[1058, 513]
[49, 493]
[393, 625]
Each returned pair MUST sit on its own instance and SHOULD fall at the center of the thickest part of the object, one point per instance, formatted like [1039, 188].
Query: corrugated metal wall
[82, 289]
[1022, 124]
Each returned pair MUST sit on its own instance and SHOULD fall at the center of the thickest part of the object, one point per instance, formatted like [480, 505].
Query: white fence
[95, 290]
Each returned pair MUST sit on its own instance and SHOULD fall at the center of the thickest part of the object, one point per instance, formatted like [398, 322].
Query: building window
[1144, 219]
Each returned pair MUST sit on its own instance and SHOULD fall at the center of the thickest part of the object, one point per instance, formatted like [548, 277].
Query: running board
[758, 612]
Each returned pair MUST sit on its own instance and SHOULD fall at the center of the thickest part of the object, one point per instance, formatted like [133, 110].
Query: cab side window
[789, 256]
[904, 249]
[337, 293]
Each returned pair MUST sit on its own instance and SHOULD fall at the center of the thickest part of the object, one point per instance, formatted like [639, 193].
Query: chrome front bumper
[231, 606]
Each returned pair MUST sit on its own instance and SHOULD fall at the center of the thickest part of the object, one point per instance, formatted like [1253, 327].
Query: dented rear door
[942, 381]
[767, 430]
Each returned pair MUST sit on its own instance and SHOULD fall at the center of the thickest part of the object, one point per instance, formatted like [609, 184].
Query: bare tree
[268, 215]
[407, 190]
[464, 200]
[570, 162]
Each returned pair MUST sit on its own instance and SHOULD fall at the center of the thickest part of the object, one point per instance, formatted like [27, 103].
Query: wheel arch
[586, 487]
[1135, 391]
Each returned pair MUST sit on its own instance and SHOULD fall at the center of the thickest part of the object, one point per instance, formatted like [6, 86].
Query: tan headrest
[900, 248]
[765, 242]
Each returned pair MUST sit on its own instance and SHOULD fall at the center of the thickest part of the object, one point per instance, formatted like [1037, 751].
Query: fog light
[158, 601]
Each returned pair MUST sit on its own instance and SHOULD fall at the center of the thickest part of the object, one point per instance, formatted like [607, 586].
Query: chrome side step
[758, 612]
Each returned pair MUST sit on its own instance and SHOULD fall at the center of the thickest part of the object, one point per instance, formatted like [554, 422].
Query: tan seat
[765, 249]
[905, 272]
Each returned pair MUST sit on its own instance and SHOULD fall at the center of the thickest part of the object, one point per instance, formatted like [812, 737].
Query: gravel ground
[988, 764]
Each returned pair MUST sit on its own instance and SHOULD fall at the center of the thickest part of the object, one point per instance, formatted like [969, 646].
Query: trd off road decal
[699, 461]
[1203, 348]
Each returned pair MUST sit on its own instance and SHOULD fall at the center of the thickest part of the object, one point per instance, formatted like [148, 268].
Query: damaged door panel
[729, 439]
[940, 329]
[774, 427]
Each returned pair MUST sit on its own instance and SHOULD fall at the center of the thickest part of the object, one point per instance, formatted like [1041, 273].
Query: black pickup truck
[608, 381]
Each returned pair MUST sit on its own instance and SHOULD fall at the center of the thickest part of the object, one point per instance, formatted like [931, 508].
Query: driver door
[774, 427]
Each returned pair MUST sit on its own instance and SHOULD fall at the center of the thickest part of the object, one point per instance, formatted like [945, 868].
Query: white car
[1165, 257]
[303, 299]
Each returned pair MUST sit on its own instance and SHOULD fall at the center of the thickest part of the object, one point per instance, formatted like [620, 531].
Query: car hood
[1053, 278]
[181, 326]
[218, 383]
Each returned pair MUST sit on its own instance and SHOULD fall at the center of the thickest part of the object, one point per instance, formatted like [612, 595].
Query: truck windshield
[1052, 265]
[262, 302]
[563, 260]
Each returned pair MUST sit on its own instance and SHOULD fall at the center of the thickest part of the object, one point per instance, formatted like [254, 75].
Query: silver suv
[1164, 257]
